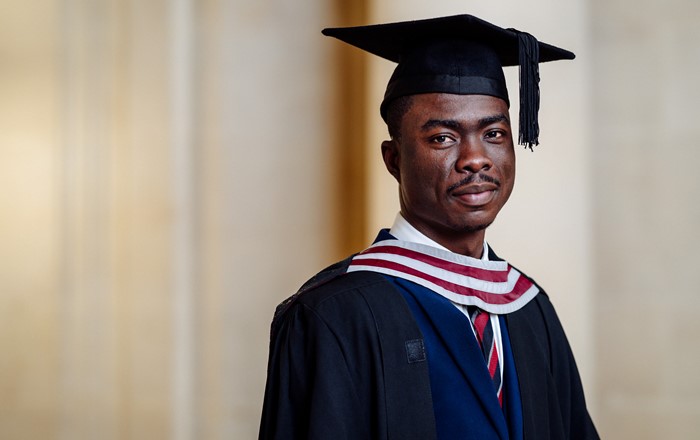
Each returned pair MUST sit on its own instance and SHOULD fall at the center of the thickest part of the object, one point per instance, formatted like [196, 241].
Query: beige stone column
[29, 222]
[167, 178]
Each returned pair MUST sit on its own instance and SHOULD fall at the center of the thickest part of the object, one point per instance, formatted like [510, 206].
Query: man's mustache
[474, 178]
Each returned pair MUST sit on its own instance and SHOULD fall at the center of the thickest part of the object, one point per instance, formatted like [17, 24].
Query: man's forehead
[458, 105]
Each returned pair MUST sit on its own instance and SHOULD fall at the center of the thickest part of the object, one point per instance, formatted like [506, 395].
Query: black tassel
[529, 54]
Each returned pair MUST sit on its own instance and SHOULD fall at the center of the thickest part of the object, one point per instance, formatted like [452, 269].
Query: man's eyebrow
[447, 123]
[488, 120]
[456, 125]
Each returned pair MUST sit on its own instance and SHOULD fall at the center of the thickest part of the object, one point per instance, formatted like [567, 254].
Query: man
[428, 334]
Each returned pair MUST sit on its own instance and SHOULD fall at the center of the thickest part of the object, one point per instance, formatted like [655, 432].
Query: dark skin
[455, 165]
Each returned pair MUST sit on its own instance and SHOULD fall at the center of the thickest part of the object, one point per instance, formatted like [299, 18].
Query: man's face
[454, 162]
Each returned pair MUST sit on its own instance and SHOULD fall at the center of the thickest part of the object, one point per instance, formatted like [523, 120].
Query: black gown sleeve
[340, 366]
[310, 391]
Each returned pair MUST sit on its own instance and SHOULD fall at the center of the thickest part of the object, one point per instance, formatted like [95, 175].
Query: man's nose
[473, 156]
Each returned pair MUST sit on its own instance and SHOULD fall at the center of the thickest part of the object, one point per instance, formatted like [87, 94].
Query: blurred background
[170, 170]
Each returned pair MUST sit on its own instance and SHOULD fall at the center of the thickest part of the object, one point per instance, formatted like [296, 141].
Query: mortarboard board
[460, 54]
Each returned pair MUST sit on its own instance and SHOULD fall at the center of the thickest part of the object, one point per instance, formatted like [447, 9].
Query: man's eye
[442, 139]
[494, 134]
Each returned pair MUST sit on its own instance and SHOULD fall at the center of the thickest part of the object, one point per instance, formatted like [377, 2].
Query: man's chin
[470, 229]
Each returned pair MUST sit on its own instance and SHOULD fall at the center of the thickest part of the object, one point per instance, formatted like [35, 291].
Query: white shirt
[404, 231]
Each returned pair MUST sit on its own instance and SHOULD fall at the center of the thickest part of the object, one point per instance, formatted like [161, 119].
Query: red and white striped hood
[493, 286]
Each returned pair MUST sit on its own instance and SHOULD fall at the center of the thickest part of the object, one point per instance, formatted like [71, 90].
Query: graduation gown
[347, 361]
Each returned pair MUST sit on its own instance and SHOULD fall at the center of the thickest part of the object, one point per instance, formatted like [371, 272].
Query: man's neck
[405, 231]
[472, 246]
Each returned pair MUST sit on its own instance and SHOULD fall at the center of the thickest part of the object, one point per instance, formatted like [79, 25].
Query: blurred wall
[646, 214]
[171, 170]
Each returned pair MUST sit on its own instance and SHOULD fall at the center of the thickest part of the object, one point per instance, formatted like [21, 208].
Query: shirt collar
[404, 231]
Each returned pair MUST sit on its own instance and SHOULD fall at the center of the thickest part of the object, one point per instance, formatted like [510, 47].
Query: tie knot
[480, 319]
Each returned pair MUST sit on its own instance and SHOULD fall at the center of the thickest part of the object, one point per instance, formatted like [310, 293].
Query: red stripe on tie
[480, 324]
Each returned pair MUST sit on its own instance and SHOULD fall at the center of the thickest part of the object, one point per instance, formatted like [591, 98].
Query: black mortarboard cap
[460, 54]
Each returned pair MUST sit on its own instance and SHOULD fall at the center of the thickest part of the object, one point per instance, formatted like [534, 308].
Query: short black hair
[395, 111]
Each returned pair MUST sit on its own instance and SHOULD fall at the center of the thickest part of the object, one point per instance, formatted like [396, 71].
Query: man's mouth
[477, 194]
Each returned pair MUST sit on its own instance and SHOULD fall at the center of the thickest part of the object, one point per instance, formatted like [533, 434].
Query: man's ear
[390, 154]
